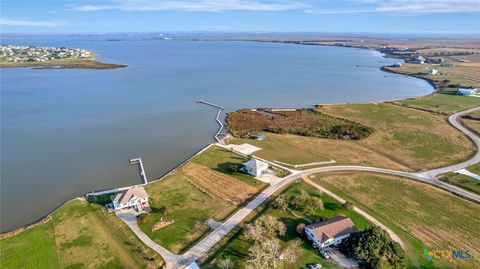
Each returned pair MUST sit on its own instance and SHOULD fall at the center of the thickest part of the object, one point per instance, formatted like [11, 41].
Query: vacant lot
[78, 236]
[413, 138]
[219, 184]
[237, 247]
[304, 122]
[422, 215]
[202, 189]
[404, 139]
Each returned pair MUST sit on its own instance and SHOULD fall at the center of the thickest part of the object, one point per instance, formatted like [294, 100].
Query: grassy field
[403, 139]
[472, 125]
[78, 235]
[474, 168]
[237, 247]
[191, 197]
[442, 102]
[422, 215]
[462, 181]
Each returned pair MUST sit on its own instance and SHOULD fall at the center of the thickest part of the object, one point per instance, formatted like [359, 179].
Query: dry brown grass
[436, 218]
[219, 184]
[472, 125]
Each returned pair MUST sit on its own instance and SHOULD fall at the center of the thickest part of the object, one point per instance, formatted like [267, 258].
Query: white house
[255, 167]
[330, 232]
[418, 59]
[433, 71]
[135, 197]
[470, 91]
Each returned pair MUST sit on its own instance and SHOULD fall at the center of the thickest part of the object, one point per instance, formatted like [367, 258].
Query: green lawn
[219, 159]
[237, 247]
[422, 215]
[275, 149]
[33, 248]
[79, 235]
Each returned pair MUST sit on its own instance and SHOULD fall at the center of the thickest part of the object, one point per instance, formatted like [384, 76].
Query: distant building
[330, 232]
[470, 91]
[136, 198]
[433, 72]
[418, 59]
[397, 65]
[447, 65]
[255, 167]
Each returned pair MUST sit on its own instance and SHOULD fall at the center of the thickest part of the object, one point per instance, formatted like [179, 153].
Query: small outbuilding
[255, 167]
[433, 72]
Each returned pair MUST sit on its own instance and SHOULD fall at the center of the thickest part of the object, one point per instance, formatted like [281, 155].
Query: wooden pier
[220, 109]
[142, 170]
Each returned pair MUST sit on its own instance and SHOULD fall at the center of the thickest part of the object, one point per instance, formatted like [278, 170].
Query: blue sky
[76, 16]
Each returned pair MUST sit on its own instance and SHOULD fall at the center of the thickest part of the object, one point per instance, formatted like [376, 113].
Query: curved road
[429, 176]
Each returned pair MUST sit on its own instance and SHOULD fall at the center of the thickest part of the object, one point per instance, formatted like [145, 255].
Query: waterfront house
[136, 198]
[330, 232]
[432, 72]
[418, 59]
[255, 167]
[469, 91]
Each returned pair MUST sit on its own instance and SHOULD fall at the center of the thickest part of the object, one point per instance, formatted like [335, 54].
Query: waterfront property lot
[191, 197]
[403, 139]
[237, 247]
[415, 139]
[78, 235]
[422, 215]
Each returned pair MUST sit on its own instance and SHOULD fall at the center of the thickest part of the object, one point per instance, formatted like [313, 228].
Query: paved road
[204, 245]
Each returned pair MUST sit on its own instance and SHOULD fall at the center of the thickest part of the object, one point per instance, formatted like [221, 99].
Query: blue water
[67, 132]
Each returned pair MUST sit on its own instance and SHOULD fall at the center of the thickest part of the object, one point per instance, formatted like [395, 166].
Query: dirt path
[364, 214]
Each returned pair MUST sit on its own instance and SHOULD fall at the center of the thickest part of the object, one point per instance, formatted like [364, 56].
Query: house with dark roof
[330, 232]
[136, 198]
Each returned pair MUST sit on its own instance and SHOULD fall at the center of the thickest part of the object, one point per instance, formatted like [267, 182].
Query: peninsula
[50, 57]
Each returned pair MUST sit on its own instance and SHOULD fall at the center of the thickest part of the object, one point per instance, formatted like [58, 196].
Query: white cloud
[402, 6]
[32, 23]
[198, 5]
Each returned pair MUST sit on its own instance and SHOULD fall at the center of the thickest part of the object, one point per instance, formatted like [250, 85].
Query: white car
[314, 245]
[325, 254]
[315, 266]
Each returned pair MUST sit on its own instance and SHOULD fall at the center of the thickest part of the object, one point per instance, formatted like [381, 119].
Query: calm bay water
[67, 132]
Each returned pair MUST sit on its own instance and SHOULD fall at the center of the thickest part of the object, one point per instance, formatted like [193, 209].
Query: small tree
[233, 168]
[225, 264]
[348, 205]
[264, 227]
[300, 228]
[280, 202]
[312, 204]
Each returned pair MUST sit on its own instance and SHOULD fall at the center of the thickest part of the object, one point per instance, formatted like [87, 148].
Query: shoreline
[46, 216]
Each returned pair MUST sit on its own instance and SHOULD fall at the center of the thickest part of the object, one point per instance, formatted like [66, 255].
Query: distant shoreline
[64, 64]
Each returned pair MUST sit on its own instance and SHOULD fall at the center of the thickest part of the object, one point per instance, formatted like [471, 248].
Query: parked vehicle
[314, 245]
[325, 254]
[314, 266]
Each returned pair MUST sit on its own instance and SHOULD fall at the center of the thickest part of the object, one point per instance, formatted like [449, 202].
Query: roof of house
[256, 164]
[126, 195]
[332, 228]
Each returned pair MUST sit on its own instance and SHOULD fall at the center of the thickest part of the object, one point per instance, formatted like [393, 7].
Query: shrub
[144, 218]
[348, 205]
